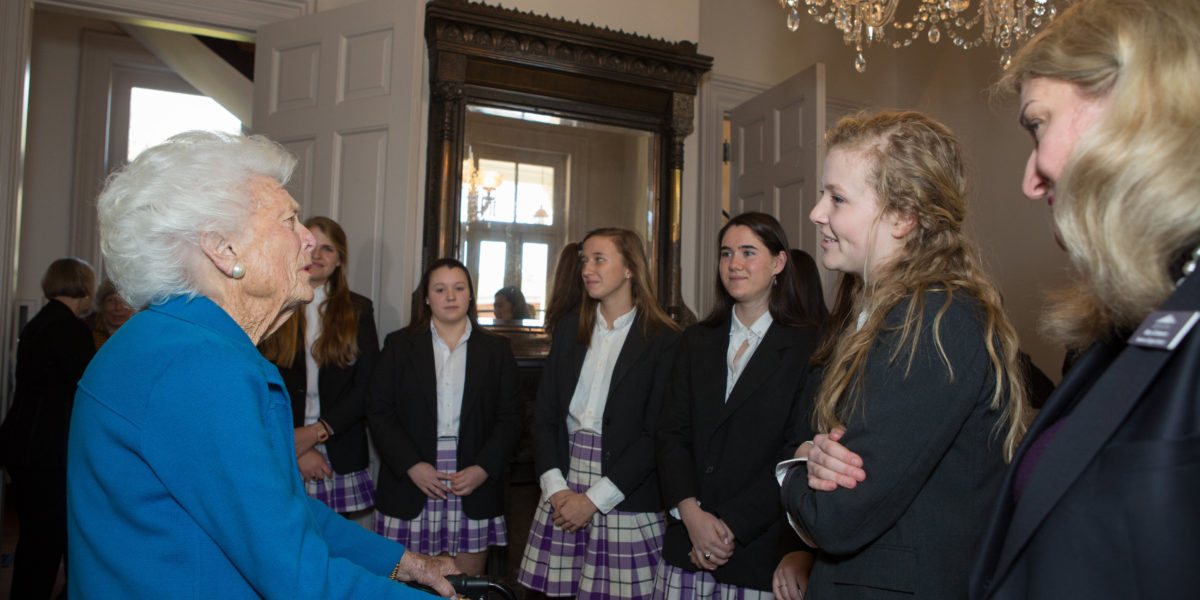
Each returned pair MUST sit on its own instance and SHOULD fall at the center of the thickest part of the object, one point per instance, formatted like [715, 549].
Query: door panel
[778, 139]
[342, 90]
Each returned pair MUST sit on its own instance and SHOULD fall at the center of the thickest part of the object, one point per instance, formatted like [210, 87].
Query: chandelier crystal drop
[1001, 23]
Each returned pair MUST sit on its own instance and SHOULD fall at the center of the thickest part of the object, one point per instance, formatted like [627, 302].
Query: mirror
[530, 184]
[541, 130]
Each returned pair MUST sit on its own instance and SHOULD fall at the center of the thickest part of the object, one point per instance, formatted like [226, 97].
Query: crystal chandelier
[1001, 23]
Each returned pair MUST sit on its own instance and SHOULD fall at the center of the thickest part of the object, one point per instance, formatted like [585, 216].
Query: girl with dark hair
[597, 532]
[734, 410]
[509, 304]
[809, 290]
[445, 413]
[325, 354]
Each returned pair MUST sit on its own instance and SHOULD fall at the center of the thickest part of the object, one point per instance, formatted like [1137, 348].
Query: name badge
[1164, 329]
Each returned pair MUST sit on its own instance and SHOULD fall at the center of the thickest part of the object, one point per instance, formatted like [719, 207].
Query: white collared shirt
[450, 373]
[739, 333]
[586, 411]
[312, 331]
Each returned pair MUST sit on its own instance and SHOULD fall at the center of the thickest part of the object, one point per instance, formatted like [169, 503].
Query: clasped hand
[571, 511]
[712, 539]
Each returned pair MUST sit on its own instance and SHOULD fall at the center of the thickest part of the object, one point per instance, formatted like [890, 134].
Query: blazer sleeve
[902, 428]
[674, 457]
[385, 414]
[631, 468]
[548, 420]
[755, 507]
[342, 415]
[498, 449]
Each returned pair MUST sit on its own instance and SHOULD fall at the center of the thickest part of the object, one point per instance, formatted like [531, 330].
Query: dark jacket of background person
[639, 382]
[1121, 473]
[723, 453]
[52, 353]
[933, 452]
[343, 393]
[403, 418]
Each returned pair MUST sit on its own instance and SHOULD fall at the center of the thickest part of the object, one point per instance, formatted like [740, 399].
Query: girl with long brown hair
[598, 530]
[325, 353]
[920, 374]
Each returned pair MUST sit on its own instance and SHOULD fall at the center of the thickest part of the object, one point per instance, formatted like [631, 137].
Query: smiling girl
[445, 413]
[734, 410]
[920, 374]
[597, 532]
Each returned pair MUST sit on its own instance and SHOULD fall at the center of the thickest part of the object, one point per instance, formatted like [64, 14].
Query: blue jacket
[182, 479]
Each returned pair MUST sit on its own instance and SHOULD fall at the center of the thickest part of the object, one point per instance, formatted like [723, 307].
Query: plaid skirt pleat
[673, 583]
[613, 557]
[443, 527]
[343, 492]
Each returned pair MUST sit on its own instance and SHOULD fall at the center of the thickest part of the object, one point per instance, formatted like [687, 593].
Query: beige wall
[748, 40]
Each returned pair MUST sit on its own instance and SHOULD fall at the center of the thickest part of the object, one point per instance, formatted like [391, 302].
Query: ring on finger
[707, 555]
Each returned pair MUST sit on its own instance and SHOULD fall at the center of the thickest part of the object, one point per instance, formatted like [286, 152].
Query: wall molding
[238, 19]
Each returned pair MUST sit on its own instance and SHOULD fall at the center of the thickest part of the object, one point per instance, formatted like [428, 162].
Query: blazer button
[607, 454]
[607, 421]
[708, 470]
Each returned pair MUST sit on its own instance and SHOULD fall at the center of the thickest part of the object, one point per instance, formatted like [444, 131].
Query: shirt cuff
[552, 482]
[605, 495]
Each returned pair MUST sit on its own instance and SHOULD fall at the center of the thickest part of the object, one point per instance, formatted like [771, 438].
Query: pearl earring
[238, 271]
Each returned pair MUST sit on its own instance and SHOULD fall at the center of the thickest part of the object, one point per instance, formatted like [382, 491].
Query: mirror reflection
[531, 183]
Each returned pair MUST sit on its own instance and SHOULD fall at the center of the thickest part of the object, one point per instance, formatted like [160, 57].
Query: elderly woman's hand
[427, 570]
[830, 464]
[429, 480]
[313, 466]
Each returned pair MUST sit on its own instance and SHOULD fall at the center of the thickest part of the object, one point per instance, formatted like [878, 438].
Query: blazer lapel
[763, 363]
[631, 351]
[476, 372]
[425, 370]
[1086, 429]
[710, 379]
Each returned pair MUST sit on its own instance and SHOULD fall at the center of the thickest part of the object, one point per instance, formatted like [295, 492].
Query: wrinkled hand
[313, 466]
[831, 465]
[712, 540]
[428, 570]
[791, 576]
[467, 480]
[574, 512]
[429, 480]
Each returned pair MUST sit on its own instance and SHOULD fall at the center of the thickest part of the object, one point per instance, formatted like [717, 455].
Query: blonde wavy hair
[918, 171]
[1127, 205]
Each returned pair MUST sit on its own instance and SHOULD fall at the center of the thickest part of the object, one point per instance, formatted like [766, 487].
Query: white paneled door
[341, 89]
[776, 154]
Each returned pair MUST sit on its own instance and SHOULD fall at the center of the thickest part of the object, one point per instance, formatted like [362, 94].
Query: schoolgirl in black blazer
[433, 487]
[718, 444]
[598, 531]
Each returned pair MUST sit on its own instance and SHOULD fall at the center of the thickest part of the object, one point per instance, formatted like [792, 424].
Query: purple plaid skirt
[343, 492]
[613, 557]
[443, 527]
[673, 583]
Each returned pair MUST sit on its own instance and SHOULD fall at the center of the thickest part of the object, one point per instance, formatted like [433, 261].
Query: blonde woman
[1101, 501]
[919, 365]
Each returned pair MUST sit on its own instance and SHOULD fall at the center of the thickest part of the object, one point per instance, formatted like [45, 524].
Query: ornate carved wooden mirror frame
[485, 55]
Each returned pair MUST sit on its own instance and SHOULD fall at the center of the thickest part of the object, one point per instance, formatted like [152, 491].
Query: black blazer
[343, 394]
[932, 448]
[724, 453]
[635, 394]
[54, 349]
[1112, 507]
[403, 417]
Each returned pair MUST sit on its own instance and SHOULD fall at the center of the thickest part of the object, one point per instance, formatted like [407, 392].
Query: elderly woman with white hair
[182, 476]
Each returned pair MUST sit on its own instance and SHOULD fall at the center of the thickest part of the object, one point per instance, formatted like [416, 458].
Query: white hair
[154, 210]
